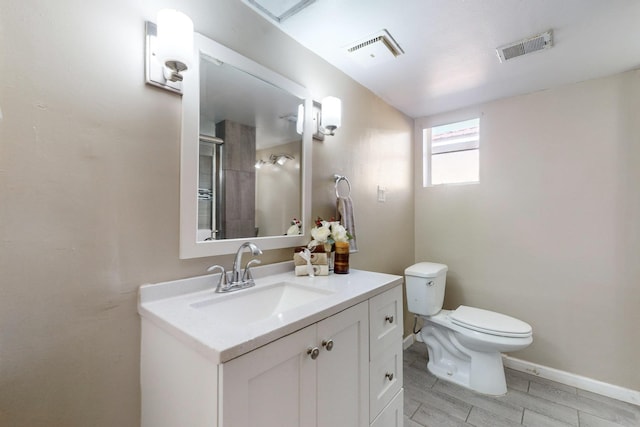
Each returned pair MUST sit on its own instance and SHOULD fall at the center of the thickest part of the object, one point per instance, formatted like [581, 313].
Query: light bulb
[331, 113]
[175, 39]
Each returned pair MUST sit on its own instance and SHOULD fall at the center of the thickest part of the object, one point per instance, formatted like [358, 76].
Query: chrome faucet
[236, 279]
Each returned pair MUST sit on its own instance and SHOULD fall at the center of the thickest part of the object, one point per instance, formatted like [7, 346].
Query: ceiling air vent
[375, 49]
[523, 47]
[279, 10]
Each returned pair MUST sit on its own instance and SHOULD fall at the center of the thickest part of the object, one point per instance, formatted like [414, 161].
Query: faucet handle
[247, 276]
[223, 276]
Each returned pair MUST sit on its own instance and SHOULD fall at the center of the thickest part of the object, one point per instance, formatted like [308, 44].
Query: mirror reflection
[249, 180]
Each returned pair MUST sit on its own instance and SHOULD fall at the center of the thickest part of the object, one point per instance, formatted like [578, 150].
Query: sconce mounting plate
[154, 70]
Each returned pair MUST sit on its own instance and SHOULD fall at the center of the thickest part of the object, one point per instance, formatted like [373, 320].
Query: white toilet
[465, 344]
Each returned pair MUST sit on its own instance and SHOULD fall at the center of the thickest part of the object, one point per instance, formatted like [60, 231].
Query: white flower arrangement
[326, 233]
[295, 228]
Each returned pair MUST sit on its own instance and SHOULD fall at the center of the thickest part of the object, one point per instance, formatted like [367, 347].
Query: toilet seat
[489, 322]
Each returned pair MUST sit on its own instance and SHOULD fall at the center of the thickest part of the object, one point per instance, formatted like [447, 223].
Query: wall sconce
[169, 49]
[327, 117]
[280, 159]
[274, 159]
[300, 120]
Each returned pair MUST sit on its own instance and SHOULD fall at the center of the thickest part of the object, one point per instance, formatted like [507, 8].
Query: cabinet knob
[389, 319]
[389, 376]
[328, 344]
[313, 352]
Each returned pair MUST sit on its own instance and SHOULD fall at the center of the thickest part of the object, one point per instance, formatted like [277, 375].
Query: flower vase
[329, 249]
[341, 261]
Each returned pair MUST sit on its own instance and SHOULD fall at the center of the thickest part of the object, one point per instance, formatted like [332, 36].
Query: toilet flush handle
[430, 283]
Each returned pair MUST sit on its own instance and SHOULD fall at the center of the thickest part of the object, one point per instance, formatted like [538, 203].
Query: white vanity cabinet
[336, 361]
[356, 383]
[317, 376]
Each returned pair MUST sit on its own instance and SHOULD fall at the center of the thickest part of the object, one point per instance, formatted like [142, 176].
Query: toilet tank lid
[426, 269]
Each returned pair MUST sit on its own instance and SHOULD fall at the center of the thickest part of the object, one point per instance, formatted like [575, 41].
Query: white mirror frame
[189, 246]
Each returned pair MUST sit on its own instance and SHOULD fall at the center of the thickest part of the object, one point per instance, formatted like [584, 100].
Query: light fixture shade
[331, 113]
[300, 119]
[175, 38]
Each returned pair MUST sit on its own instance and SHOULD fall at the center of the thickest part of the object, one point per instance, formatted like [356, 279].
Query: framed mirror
[245, 169]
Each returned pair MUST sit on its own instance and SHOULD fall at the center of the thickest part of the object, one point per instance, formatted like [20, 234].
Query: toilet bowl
[464, 344]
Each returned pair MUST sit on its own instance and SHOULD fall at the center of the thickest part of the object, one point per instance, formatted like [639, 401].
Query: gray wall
[237, 219]
[89, 182]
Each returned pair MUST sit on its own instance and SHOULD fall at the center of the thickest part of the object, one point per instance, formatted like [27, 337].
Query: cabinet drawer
[392, 415]
[385, 321]
[385, 378]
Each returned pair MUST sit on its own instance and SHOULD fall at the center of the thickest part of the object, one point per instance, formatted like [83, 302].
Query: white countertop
[168, 305]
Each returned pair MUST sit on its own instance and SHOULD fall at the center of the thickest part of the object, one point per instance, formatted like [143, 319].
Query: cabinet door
[274, 385]
[343, 368]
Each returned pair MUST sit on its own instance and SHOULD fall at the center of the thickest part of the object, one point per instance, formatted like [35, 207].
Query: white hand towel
[345, 216]
[316, 259]
[305, 255]
[316, 270]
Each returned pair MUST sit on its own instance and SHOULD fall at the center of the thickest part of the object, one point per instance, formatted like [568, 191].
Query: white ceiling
[450, 59]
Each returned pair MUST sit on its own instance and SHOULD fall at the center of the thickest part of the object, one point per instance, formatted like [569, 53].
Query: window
[452, 153]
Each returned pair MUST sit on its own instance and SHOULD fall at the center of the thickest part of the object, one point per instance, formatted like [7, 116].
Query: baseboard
[406, 343]
[573, 380]
[563, 377]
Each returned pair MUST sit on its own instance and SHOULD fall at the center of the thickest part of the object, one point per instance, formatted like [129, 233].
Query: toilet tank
[425, 282]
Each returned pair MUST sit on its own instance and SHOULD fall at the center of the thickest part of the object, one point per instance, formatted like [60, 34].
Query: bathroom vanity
[291, 351]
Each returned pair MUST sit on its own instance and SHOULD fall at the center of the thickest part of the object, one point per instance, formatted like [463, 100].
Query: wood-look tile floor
[530, 401]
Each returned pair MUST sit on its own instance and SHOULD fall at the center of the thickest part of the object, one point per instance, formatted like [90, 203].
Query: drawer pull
[389, 376]
[313, 352]
[389, 319]
[328, 344]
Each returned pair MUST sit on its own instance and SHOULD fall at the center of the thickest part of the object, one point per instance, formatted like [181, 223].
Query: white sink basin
[259, 303]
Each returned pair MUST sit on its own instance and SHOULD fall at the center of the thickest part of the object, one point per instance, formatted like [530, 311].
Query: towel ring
[339, 178]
